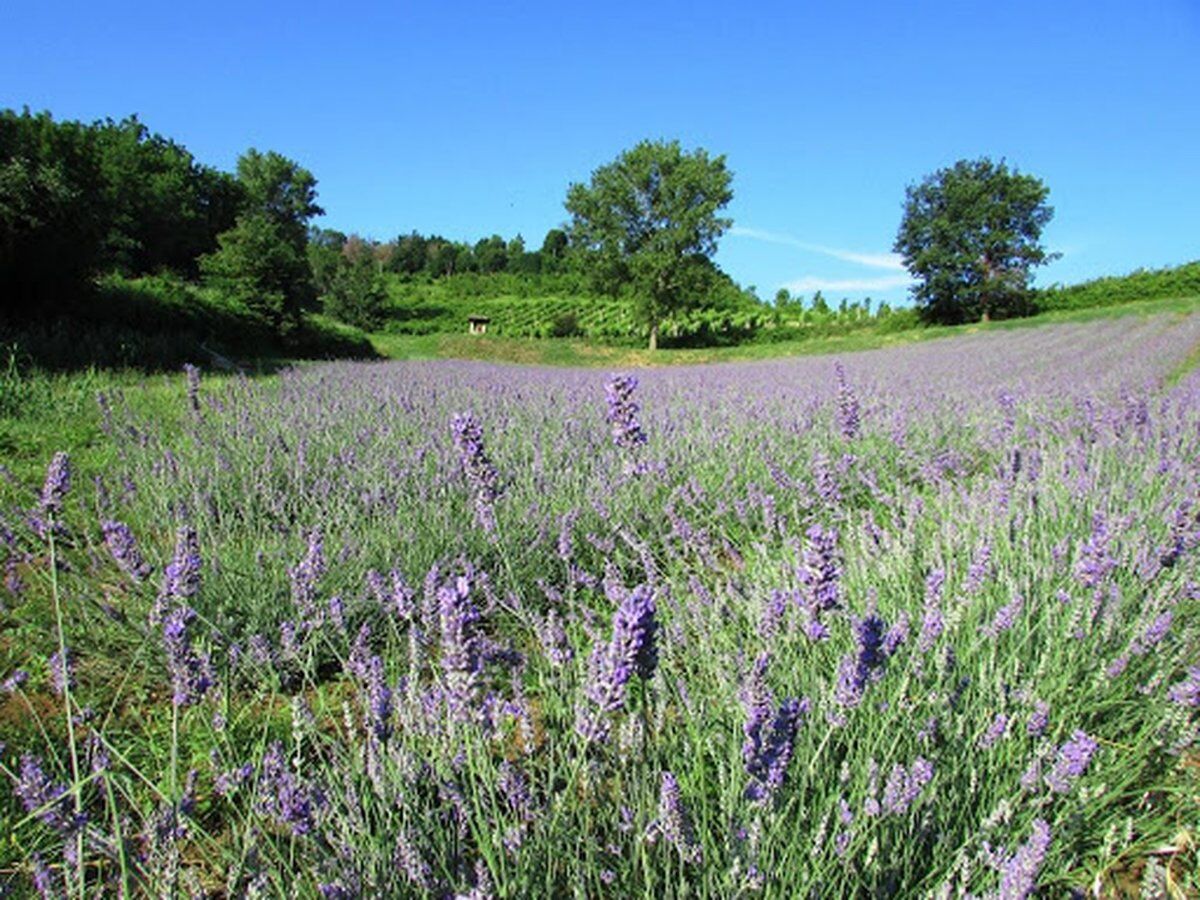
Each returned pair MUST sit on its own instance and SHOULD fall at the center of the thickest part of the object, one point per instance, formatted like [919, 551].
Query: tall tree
[970, 234]
[280, 188]
[263, 260]
[53, 214]
[648, 223]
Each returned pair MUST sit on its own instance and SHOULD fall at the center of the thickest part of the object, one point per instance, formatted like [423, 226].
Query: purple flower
[191, 670]
[995, 732]
[14, 681]
[822, 571]
[1154, 633]
[40, 795]
[553, 638]
[1095, 558]
[1018, 872]
[396, 600]
[304, 577]
[379, 699]
[631, 651]
[979, 569]
[62, 670]
[411, 863]
[482, 477]
[1039, 719]
[58, 482]
[865, 664]
[1005, 618]
[123, 547]
[904, 786]
[932, 621]
[1187, 692]
[461, 652]
[673, 823]
[1071, 761]
[181, 580]
[284, 796]
[622, 412]
[770, 733]
[46, 881]
[848, 420]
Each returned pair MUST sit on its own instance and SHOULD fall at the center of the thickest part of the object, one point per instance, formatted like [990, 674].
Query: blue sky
[472, 118]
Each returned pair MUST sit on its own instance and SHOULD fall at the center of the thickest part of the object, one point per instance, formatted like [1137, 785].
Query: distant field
[579, 352]
[918, 620]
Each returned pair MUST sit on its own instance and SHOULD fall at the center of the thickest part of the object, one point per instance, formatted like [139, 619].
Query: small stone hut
[477, 324]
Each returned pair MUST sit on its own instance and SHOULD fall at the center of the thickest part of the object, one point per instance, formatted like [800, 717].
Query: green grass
[578, 352]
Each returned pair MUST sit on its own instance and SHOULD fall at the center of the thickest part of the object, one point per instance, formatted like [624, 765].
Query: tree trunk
[654, 336]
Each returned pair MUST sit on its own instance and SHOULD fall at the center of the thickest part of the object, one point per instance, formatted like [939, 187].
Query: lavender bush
[922, 622]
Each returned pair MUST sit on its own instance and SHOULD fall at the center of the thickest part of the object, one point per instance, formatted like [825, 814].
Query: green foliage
[258, 268]
[356, 293]
[163, 209]
[77, 200]
[262, 262]
[1139, 286]
[970, 235]
[281, 190]
[648, 222]
[566, 325]
[324, 256]
[52, 215]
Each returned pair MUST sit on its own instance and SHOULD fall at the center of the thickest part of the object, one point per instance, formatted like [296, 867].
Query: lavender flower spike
[58, 482]
[481, 475]
[673, 823]
[631, 651]
[1018, 873]
[622, 412]
[461, 654]
[1071, 762]
[848, 420]
[123, 547]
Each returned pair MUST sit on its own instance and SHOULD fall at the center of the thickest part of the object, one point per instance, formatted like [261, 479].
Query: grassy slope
[571, 352]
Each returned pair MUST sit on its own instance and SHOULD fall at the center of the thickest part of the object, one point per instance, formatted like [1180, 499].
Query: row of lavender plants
[922, 621]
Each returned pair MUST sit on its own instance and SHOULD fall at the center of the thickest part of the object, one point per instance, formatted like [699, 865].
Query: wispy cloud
[810, 283]
[889, 261]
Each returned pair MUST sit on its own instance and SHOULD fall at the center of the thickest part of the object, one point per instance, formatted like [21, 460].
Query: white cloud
[889, 261]
[811, 283]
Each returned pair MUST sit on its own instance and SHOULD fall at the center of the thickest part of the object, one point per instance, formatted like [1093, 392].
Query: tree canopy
[262, 262]
[648, 223]
[970, 235]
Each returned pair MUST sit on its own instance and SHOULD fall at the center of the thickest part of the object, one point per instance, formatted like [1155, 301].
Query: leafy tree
[648, 225]
[164, 209]
[440, 256]
[281, 190]
[491, 254]
[408, 256]
[970, 234]
[257, 267]
[262, 262]
[53, 214]
[357, 294]
[324, 256]
[554, 250]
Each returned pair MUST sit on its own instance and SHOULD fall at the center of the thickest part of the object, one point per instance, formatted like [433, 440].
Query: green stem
[72, 746]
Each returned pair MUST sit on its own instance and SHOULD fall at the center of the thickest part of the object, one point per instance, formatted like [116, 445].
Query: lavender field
[911, 622]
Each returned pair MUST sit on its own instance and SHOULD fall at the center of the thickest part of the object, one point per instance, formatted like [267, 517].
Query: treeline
[1112, 290]
[77, 200]
[117, 244]
[432, 256]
